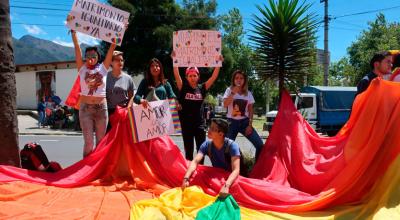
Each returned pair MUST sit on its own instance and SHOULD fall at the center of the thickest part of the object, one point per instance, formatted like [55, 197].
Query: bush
[249, 160]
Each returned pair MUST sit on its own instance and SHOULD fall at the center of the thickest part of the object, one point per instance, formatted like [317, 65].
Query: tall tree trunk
[8, 116]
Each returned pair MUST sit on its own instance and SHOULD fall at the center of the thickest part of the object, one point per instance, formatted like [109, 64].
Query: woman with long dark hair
[154, 86]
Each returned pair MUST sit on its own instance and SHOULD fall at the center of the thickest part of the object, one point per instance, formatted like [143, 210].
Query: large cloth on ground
[382, 203]
[297, 170]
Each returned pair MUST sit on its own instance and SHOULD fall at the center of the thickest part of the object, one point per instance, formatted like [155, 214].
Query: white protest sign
[198, 48]
[98, 20]
[158, 119]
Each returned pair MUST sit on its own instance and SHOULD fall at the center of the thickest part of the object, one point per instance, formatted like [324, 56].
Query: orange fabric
[21, 200]
[297, 171]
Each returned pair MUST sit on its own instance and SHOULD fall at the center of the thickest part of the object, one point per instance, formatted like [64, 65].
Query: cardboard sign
[158, 119]
[98, 20]
[197, 48]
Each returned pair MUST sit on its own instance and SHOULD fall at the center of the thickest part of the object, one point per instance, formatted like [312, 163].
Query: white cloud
[33, 29]
[82, 38]
[86, 39]
[59, 41]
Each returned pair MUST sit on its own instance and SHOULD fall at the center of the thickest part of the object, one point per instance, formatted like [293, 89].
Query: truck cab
[326, 108]
[306, 103]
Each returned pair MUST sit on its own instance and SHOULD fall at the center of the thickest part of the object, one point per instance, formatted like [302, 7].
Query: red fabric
[297, 169]
[73, 97]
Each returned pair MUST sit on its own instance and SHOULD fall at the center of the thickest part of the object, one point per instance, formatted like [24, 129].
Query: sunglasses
[91, 56]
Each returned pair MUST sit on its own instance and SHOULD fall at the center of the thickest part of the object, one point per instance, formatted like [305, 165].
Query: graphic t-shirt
[238, 109]
[117, 89]
[192, 100]
[218, 156]
[93, 81]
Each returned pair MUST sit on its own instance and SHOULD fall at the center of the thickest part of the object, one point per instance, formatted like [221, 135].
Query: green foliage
[209, 99]
[151, 25]
[341, 73]
[380, 36]
[284, 37]
[237, 55]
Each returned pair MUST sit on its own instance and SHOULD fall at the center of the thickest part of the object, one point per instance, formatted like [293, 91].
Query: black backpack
[33, 158]
[228, 158]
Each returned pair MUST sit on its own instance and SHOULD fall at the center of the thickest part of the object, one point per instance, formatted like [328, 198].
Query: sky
[49, 24]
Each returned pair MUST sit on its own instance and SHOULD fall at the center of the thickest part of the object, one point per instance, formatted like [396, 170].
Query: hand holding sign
[196, 48]
[98, 20]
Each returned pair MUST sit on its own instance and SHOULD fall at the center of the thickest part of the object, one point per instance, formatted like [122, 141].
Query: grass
[258, 123]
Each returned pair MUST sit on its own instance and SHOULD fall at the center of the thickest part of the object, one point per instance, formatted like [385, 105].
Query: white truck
[326, 108]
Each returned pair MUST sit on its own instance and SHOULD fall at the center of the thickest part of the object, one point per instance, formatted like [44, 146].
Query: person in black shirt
[381, 64]
[191, 98]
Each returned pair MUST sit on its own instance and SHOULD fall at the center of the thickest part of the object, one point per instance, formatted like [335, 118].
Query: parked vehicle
[326, 108]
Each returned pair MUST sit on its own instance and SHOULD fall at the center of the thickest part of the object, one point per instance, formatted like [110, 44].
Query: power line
[47, 15]
[49, 25]
[39, 8]
[41, 3]
[366, 12]
[348, 23]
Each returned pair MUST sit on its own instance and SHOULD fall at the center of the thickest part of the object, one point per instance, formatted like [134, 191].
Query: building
[46, 79]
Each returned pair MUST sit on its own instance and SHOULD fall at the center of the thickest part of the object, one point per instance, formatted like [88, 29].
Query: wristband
[186, 178]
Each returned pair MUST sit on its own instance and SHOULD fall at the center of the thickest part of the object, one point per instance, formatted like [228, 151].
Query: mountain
[31, 50]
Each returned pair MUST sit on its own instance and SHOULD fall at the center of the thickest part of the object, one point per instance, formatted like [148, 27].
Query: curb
[50, 134]
[80, 134]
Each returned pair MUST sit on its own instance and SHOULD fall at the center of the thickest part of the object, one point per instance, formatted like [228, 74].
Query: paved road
[67, 150]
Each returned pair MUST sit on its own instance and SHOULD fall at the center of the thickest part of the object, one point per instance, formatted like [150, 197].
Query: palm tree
[284, 37]
[8, 117]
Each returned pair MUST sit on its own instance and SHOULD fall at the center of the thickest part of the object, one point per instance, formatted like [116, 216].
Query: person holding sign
[154, 86]
[93, 103]
[223, 153]
[191, 99]
[239, 102]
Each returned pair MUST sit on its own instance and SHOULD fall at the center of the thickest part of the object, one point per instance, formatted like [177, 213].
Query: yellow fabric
[383, 203]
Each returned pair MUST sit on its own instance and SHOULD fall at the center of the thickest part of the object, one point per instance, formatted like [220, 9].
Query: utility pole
[326, 49]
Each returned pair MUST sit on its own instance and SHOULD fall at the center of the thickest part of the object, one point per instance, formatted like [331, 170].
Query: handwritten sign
[98, 20]
[197, 48]
[160, 118]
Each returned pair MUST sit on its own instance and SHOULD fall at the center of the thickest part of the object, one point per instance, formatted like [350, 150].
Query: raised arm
[191, 169]
[107, 60]
[178, 78]
[78, 52]
[213, 77]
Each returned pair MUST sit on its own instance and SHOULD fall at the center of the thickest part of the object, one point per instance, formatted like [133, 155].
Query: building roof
[46, 66]
[334, 88]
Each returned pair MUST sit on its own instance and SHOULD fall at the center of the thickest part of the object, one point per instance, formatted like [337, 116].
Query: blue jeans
[42, 118]
[236, 126]
[92, 117]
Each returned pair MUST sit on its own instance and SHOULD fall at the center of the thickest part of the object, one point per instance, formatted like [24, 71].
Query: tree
[9, 151]
[284, 38]
[150, 31]
[380, 36]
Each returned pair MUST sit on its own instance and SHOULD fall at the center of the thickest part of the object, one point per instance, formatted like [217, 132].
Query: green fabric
[226, 208]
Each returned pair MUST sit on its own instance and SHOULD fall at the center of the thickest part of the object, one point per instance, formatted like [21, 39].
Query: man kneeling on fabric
[216, 149]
